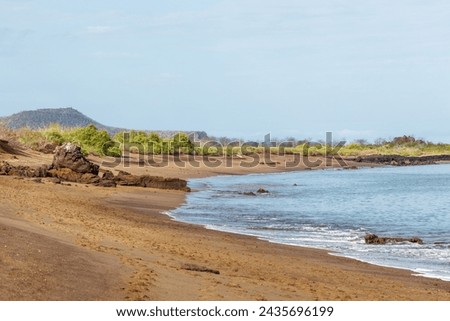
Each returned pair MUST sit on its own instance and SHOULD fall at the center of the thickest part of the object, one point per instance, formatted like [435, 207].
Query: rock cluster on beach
[23, 171]
[69, 156]
[126, 179]
[69, 164]
[375, 239]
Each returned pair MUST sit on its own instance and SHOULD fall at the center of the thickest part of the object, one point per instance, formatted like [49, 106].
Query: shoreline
[326, 257]
[330, 251]
[146, 251]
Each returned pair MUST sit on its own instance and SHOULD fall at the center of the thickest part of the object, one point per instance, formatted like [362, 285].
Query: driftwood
[198, 268]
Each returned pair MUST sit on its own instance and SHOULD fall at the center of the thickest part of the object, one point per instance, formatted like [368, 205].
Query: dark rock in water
[262, 191]
[374, 239]
[70, 156]
[248, 193]
[415, 240]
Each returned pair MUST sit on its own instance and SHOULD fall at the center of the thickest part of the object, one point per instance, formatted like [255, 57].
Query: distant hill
[69, 118]
[41, 118]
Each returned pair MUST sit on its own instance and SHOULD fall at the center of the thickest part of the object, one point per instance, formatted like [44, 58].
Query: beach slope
[80, 242]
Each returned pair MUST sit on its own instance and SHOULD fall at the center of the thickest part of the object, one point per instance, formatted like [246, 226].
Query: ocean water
[334, 210]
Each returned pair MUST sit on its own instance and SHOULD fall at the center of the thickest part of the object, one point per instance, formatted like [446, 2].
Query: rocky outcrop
[67, 174]
[70, 156]
[69, 164]
[108, 175]
[107, 180]
[23, 171]
[397, 160]
[262, 191]
[374, 239]
[106, 183]
[126, 179]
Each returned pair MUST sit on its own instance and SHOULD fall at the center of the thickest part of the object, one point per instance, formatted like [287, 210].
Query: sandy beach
[80, 242]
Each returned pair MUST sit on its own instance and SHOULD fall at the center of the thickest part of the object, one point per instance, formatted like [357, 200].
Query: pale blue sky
[240, 68]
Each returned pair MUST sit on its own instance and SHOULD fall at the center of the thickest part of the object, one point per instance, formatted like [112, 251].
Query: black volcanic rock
[70, 156]
[397, 160]
[375, 239]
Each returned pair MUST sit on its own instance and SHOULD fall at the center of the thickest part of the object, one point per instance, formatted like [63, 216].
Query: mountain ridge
[69, 117]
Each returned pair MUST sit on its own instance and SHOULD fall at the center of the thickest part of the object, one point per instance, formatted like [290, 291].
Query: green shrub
[92, 140]
[182, 144]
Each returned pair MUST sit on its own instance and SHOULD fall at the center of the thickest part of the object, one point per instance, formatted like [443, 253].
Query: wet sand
[80, 242]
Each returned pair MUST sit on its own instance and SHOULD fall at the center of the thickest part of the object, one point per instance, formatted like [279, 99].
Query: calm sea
[334, 210]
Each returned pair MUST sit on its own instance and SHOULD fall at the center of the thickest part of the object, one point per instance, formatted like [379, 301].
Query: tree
[182, 144]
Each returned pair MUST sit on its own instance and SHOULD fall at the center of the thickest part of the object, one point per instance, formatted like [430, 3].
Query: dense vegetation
[95, 141]
[89, 138]
[151, 143]
[99, 142]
